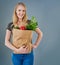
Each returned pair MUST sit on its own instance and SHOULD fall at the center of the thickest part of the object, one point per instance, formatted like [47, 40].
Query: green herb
[16, 27]
[33, 24]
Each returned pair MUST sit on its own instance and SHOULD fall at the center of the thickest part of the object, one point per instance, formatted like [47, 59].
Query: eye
[19, 10]
[23, 10]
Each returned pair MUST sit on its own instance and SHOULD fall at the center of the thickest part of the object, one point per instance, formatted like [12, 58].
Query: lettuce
[33, 24]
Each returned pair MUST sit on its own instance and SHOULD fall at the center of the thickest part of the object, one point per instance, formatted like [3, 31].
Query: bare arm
[7, 40]
[40, 34]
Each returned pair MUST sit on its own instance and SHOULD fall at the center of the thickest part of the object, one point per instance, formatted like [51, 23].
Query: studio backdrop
[47, 13]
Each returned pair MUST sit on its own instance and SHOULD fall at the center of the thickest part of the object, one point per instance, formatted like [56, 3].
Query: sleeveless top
[10, 25]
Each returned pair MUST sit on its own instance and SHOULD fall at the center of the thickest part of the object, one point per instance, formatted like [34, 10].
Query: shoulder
[10, 26]
[28, 21]
[38, 30]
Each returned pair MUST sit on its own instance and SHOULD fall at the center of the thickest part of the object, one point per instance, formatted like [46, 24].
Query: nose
[21, 12]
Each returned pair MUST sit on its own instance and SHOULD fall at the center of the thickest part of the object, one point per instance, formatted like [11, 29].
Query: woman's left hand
[34, 46]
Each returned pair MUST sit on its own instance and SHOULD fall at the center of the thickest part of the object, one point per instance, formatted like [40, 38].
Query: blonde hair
[15, 18]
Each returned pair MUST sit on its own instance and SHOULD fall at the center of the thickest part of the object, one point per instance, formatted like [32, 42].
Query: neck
[20, 20]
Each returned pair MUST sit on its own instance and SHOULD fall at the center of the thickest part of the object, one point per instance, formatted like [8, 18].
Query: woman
[20, 18]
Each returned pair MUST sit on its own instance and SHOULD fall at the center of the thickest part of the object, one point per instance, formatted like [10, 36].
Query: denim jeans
[23, 59]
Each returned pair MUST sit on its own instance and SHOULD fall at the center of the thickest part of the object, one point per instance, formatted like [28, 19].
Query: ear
[16, 11]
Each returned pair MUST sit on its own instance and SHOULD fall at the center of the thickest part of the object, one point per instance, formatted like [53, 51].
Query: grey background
[47, 13]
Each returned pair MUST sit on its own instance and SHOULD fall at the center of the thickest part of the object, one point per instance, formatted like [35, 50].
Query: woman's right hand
[22, 50]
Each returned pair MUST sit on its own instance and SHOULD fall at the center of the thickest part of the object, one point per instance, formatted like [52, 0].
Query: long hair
[15, 18]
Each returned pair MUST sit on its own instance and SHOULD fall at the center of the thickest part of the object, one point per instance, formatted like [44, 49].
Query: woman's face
[20, 11]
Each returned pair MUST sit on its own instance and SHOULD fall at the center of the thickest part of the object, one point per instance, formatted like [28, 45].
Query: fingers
[34, 46]
[23, 49]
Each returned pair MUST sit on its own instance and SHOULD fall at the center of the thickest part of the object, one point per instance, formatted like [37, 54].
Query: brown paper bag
[22, 37]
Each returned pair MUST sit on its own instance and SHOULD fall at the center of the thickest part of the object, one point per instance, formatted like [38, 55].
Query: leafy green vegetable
[16, 27]
[33, 24]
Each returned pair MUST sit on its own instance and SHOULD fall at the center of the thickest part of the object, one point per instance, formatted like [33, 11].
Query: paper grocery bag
[22, 37]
